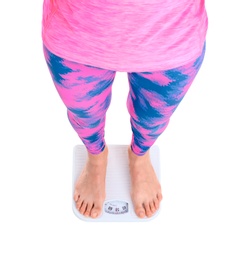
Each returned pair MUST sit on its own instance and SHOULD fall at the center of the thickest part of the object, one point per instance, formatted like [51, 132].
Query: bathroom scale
[118, 206]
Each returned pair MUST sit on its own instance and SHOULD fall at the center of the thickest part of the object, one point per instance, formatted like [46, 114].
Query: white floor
[205, 154]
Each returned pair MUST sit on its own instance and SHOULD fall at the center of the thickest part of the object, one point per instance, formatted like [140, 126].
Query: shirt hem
[129, 69]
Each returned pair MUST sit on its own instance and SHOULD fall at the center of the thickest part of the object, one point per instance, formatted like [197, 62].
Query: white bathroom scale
[118, 205]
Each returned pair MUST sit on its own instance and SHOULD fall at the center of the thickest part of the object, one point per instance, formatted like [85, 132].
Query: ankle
[138, 159]
[132, 154]
[100, 158]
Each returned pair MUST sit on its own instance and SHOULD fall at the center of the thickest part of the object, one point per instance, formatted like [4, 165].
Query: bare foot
[145, 188]
[89, 193]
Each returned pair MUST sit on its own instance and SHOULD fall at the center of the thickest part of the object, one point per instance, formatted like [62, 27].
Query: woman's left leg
[152, 99]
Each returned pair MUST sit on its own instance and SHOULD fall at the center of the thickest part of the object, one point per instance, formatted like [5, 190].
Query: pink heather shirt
[125, 35]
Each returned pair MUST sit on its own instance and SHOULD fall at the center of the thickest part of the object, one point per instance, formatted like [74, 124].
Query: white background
[205, 154]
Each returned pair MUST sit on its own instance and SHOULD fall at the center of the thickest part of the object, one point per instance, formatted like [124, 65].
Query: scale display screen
[116, 207]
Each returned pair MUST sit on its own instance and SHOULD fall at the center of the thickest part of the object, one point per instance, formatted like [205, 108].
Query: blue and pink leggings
[152, 99]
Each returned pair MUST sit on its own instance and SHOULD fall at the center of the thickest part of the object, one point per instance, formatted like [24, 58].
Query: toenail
[95, 214]
[141, 214]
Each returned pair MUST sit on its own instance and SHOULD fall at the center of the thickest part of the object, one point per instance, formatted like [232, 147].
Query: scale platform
[118, 205]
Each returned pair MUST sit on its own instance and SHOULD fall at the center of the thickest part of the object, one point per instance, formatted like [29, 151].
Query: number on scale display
[116, 207]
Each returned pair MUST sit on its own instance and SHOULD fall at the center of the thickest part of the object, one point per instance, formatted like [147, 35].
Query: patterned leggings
[152, 99]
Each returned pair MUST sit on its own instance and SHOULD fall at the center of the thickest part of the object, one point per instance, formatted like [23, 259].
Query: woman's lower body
[152, 99]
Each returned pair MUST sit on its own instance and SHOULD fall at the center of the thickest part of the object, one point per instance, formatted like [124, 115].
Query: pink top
[125, 35]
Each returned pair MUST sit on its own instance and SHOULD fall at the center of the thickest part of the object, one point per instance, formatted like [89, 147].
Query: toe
[88, 209]
[159, 196]
[96, 211]
[147, 209]
[79, 203]
[76, 196]
[83, 208]
[152, 207]
[140, 211]
[156, 203]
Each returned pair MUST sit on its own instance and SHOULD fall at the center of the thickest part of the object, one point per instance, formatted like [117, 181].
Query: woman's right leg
[86, 92]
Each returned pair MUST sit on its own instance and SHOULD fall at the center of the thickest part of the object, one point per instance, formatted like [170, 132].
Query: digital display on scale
[116, 207]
